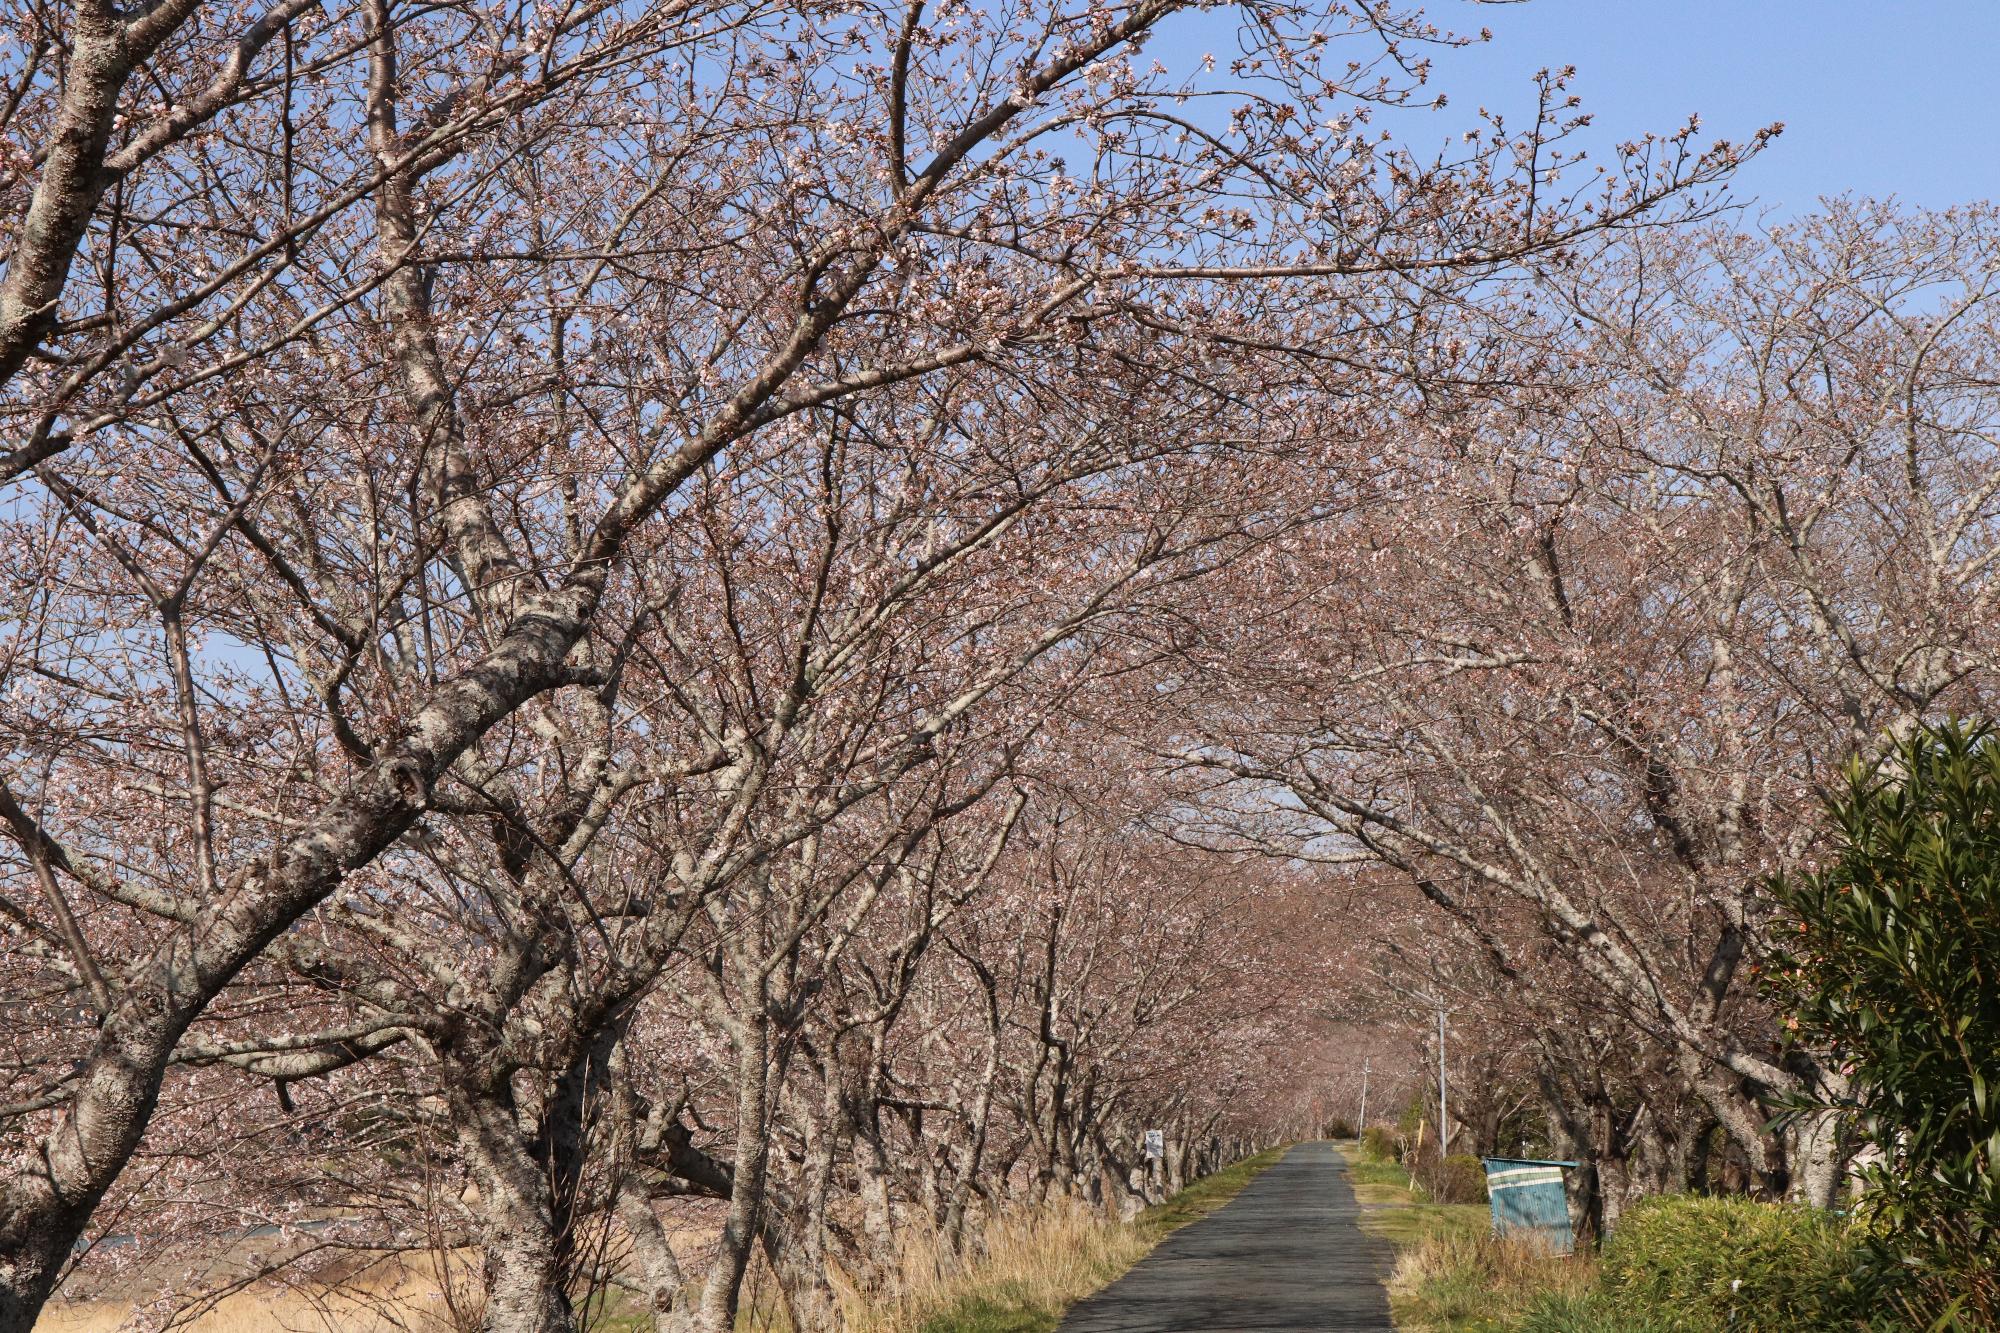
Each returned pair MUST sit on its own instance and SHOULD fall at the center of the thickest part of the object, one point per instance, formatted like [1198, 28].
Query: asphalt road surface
[1287, 1255]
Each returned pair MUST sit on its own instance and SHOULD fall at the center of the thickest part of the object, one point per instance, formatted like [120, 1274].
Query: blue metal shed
[1527, 1195]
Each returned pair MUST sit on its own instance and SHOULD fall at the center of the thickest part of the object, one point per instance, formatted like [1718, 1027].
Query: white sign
[1156, 1145]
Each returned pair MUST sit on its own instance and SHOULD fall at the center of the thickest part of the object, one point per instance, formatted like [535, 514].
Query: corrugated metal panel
[1527, 1195]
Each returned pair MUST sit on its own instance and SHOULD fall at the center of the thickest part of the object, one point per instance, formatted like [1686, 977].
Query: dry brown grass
[387, 1293]
[1026, 1266]
[1457, 1279]
[1020, 1270]
[400, 1294]
[1033, 1259]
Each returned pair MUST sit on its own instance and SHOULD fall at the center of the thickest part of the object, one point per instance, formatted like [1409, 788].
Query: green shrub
[1890, 974]
[1693, 1264]
[1379, 1143]
[1457, 1179]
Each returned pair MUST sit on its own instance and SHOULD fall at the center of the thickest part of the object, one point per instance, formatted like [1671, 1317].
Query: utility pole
[1434, 1001]
[1362, 1128]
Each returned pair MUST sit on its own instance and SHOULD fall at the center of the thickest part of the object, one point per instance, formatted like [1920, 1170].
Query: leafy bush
[1690, 1263]
[1456, 1179]
[1379, 1143]
[1892, 974]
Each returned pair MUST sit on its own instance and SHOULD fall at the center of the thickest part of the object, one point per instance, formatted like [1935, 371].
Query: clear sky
[1878, 96]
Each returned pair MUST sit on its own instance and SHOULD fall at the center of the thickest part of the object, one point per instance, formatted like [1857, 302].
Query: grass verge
[1032, 1266]
[1452, 1275]
[1029, 1267]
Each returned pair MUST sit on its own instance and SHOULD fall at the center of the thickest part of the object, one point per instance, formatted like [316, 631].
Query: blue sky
[1886, 97]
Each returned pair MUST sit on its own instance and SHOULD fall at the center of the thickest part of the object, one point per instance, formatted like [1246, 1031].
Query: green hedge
[1692, 1265]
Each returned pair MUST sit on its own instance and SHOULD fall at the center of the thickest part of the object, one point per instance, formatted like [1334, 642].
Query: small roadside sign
[1156, 1145]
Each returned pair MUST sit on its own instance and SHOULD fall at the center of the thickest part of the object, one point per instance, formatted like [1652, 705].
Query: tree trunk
[798, 1262]
[873, 1179]
[528, 1187]
[795, 1243]
[981, 1118]
[658, 1272]
[30, 1265]
[1819, 1154]
[1741, 1119]
[523, 1263]
[724, 1285]
[525, 1292]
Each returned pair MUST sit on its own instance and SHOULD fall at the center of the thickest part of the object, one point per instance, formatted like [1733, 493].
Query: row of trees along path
[646, 641]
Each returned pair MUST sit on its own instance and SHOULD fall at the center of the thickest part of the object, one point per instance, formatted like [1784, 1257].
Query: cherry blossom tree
[1590, 650]
[374, 370]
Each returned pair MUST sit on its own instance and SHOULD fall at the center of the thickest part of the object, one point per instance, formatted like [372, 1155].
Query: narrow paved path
[1287, 1255]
